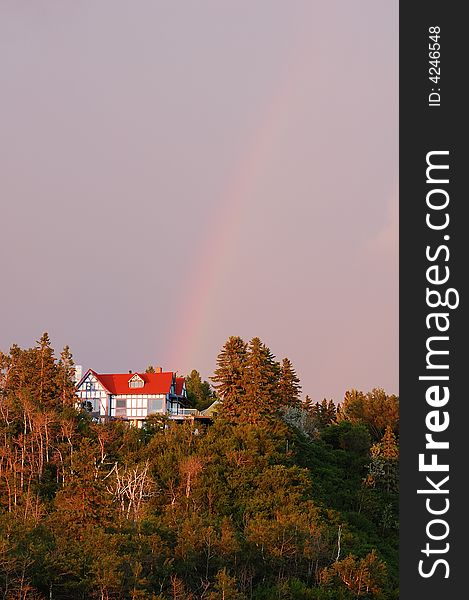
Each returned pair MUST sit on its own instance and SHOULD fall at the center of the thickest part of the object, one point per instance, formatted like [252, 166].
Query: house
[212, 410]
[133, 396]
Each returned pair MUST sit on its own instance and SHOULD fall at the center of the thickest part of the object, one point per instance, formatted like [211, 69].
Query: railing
[186, 412]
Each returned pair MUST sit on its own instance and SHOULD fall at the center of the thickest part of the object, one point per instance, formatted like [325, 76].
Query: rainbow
[194, 315]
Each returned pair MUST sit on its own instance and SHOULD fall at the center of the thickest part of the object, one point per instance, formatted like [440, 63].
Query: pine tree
[226, 588]
[178, 589]
[229, 377]
[289, 387]
[84, 500]
[384, 466]
[374, 409]
[324, 413]
[261, 383]
[390, 449]
[66, 377]
[47, 391]
[199, 393]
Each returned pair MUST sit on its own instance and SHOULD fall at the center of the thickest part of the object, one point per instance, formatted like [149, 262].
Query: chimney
[78, 373]
[158, 369]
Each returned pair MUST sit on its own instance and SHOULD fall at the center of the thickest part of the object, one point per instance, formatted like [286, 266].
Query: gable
[180, 386]
[136, 381]
[90, 383]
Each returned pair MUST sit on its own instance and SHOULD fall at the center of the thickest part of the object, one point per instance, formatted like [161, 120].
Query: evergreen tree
[199, 393]
[229, 377]
[11, 368]
[388, 444]
[384, 466]
[324, 413]
[226, 588]
[374, 409]
[252, 508]
[84, 500]
[47, 391]
[289, 387]
[66, 377]
[261, 384]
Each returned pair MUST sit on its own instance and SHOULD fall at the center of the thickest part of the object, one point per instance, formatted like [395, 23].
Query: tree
[250, 507]
[47, 390]
[229, 377]
[178, 590]
[365, 577]
[261, 384]
[374, 409]
[199, 393]
[84, 500]
[131, 488]
[354, 438]
[384, 466]
[289, 387]
[324, 413]
[226, 588]
[66, 377]
[307, 403]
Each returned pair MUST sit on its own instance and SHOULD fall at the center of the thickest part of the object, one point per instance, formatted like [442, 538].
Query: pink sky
[175, 173]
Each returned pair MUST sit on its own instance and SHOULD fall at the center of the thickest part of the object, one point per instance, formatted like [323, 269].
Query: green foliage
[322, 414]
[229, 377]
[347, 436]
[259, 505]
[252, 386]
[363, 577]
[199, 393]
[226, 588]
[376, 410]
[289, 387]
[261, 379]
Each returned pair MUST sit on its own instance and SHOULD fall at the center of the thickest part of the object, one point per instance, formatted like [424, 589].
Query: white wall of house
[92, 391]
[138, 406]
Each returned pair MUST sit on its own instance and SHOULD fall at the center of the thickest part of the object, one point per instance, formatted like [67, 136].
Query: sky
[174, 173]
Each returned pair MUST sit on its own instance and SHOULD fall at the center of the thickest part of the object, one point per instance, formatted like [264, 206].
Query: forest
[282, 497]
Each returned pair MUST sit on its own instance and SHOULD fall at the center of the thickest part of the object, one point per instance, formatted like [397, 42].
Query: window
[136, 402]
[87, 405]
[136, 382]
[155, 405]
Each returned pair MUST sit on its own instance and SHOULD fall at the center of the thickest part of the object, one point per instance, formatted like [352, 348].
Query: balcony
[185, 412]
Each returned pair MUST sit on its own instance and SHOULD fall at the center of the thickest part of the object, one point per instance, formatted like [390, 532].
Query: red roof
[179, 385]
[154, 383]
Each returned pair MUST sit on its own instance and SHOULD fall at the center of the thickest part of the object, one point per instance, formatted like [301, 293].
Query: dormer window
[136, 381]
